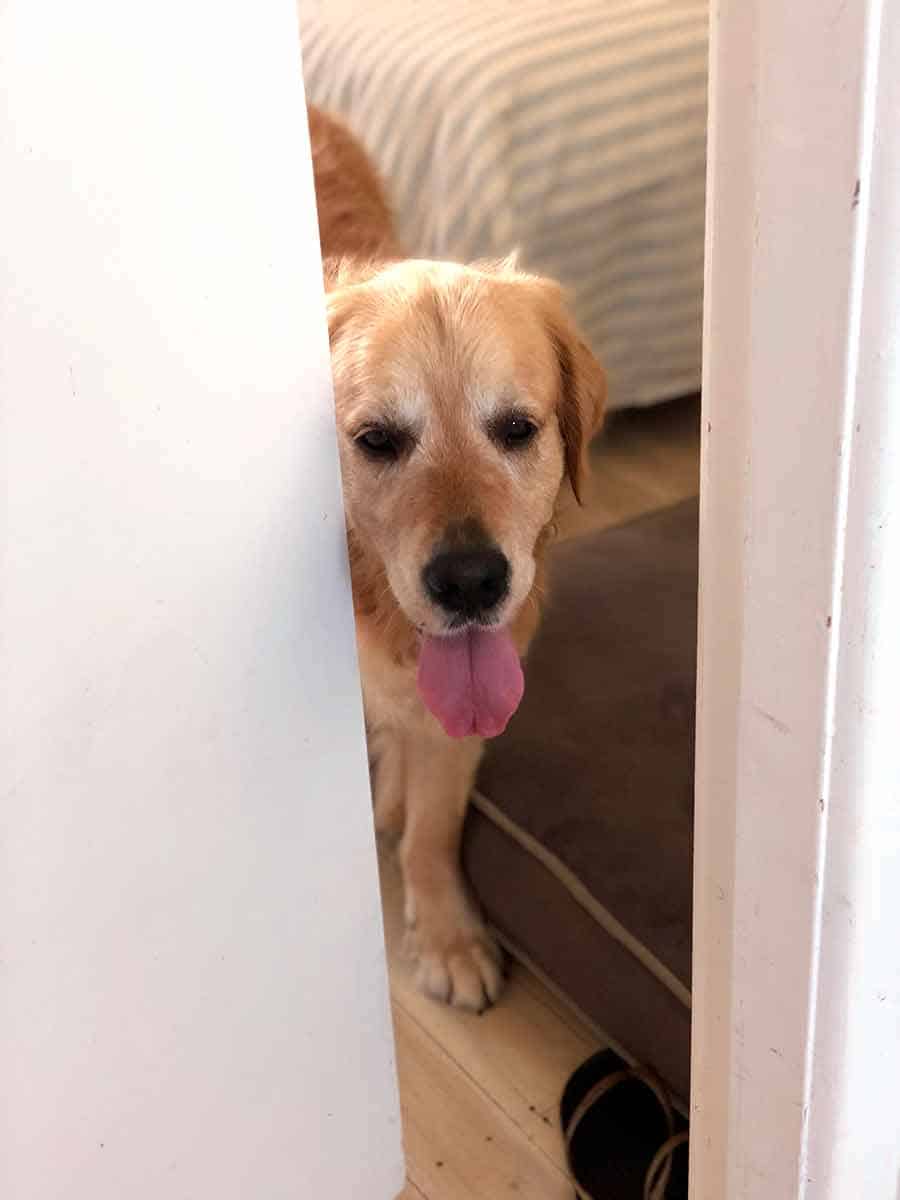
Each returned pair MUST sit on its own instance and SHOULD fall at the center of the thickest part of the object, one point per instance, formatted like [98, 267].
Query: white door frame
[797, 859]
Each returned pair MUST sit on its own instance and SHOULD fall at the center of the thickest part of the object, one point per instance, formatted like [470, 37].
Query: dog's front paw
[457, 961]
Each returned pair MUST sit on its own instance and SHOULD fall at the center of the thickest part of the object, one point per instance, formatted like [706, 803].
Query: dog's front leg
[458, 961]
[387, 756]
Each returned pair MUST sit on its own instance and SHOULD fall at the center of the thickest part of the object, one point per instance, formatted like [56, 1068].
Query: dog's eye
[379, 442]
[515, 432]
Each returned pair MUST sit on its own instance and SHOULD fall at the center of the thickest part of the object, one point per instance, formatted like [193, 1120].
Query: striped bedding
[574, 130]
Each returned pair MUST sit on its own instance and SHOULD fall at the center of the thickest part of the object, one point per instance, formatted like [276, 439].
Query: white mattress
[574, 130]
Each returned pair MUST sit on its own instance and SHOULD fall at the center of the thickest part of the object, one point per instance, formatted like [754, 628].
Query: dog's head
[465, 398]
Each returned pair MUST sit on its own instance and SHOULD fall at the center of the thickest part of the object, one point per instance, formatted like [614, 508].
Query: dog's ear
[582, 390]
[347, 310]
[347, 295]
[340, 305]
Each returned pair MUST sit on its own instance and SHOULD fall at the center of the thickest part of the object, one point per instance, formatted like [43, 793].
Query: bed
[574, 131]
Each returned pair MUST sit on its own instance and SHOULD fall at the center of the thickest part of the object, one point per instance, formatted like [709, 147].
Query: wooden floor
[643, 460]
[479, 1094]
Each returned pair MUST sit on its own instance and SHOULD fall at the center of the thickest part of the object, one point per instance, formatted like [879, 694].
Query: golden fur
[442, 351]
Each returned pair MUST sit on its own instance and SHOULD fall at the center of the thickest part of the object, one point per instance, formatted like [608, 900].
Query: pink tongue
[472, 682]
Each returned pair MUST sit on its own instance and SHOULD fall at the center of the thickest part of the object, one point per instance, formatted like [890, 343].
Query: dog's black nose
[467, 583]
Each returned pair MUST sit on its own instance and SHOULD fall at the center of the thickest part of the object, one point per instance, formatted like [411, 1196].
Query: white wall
[193, 996]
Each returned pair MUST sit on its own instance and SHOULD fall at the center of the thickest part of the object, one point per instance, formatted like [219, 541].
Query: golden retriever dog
[465, 401]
